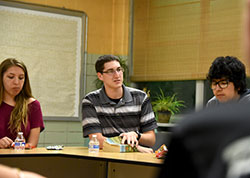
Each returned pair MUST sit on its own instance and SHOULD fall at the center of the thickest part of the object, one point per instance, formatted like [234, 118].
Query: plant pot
[164, 116]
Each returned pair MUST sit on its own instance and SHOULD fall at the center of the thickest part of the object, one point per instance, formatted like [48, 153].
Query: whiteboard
[50, 45]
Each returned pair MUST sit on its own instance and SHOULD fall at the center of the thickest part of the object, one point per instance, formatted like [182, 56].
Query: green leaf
[167, 103]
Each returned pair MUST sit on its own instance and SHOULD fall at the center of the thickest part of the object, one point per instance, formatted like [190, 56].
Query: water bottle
[94, 144]
[20, 141]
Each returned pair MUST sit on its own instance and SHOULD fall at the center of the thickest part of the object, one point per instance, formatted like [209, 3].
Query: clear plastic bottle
[94, 144]
[20, 141]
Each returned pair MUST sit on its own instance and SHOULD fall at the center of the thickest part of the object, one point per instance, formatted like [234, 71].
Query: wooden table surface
[83, 152]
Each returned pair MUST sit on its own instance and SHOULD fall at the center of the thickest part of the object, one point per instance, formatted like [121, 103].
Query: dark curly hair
[230, 68]
[99, 65]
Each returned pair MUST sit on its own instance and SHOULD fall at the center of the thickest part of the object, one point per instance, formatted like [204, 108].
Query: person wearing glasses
[227, 77]
[118, 110]
[214, 142]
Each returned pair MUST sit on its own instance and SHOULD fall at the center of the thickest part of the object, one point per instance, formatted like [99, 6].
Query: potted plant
[165, 106]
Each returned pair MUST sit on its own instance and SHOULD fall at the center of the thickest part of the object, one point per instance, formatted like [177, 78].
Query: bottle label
[17, 144]
[96, 146]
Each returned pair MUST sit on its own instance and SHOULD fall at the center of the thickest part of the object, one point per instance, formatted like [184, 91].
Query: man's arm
[90, 122]
[147, 138]
[147, 124]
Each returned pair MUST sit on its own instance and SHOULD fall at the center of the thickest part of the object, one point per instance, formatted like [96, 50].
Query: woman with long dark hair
[19, 110]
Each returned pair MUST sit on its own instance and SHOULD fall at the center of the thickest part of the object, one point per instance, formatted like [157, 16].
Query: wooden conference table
[73, 162]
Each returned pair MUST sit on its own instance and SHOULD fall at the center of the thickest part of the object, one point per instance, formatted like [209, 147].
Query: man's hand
[130, 137]
[5, 142]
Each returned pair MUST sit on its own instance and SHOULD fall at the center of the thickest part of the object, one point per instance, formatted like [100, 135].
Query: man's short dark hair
[99, 65]
[230, 68]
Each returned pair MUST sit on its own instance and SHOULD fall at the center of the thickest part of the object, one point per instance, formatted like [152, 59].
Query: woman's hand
[5, 142]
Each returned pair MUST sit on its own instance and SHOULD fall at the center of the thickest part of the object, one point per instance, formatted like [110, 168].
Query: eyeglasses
[222, 84]
[112, 72]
